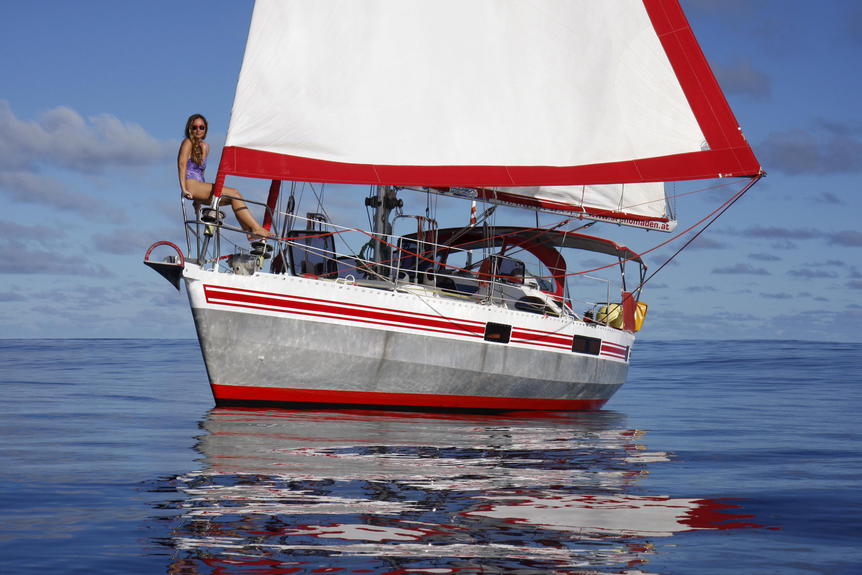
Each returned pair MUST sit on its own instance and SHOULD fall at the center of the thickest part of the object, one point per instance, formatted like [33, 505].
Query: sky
[94, 97]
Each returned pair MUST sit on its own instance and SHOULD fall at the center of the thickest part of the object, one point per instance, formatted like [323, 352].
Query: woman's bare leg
[202, 192]
[243, 214]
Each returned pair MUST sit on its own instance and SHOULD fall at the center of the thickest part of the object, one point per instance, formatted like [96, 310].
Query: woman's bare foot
[258, 233]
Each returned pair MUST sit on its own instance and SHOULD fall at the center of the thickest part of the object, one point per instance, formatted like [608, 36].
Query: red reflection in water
[709, 514]
[323, 492]
[618, 516]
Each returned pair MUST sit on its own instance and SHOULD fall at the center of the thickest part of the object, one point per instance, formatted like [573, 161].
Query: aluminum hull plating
[292, 340]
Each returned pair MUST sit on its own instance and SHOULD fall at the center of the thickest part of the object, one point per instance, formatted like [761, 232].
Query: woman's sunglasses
[199, 127]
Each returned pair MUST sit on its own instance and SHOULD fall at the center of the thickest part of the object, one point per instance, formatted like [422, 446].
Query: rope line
[712, 217]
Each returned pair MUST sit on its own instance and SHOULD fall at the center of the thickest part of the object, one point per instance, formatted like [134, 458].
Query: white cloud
[808, 273]
[30, 188]
[126, 242]
[849, 238]
[743, 78]
[44, 235]
[63, 138]
[741, 269]
[20, 258]
[820, 151]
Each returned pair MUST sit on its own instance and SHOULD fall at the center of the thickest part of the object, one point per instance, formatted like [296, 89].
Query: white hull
[282, 339]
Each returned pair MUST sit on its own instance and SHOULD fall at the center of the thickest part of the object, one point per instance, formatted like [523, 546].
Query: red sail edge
[248, 163]
[702, 91]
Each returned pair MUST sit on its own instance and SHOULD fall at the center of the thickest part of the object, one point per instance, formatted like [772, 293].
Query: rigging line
[582, 209]
[674, 196]
[320, 199]
[699, 191]
[518, 248]
[487, 238]
[726, 207]
[538, 232]
[521, 248]
[722, 208]
[297, 202]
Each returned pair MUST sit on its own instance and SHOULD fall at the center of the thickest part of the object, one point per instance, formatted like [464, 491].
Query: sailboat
[559, 115]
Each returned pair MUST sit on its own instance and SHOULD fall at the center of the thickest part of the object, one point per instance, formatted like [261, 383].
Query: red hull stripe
[332, 310]
[368, 398]
[544, 339]
[313, 307]
[614, 350]
[240, 291]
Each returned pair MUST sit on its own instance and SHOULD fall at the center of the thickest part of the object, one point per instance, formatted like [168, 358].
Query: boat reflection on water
[296, 492]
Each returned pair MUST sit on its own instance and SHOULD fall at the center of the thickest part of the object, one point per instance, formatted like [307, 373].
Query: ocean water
[715, 457]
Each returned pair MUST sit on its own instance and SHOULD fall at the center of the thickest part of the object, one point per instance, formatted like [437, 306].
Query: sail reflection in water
[294, 492]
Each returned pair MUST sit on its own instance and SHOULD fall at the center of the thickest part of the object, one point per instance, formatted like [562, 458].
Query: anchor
[171, 268]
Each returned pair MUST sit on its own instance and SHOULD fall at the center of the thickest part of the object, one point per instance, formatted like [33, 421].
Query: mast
[383, 203]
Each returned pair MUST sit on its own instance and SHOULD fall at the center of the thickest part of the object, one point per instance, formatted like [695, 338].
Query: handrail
[465, 281]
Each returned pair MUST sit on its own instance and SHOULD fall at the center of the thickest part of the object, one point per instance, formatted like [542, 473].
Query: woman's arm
[182, 161]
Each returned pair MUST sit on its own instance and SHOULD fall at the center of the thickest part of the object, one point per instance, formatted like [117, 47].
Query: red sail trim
[704, 95]
[248, 163]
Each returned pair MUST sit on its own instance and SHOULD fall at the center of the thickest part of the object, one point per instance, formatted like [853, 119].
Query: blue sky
[94, 95]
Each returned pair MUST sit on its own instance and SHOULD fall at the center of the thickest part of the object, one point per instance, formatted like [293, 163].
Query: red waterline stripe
[369, 398]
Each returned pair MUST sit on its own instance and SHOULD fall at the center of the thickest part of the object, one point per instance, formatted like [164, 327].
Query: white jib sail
[641, 200]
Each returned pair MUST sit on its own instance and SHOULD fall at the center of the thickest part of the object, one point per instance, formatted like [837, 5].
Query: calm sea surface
[715, 457]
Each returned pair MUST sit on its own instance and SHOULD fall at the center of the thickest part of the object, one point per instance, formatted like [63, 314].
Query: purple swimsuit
[195, 171]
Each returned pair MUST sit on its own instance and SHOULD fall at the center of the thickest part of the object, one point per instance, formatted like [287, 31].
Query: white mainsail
[552, 102]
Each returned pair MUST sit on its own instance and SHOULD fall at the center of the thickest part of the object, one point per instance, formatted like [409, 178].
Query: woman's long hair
[197, 148]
